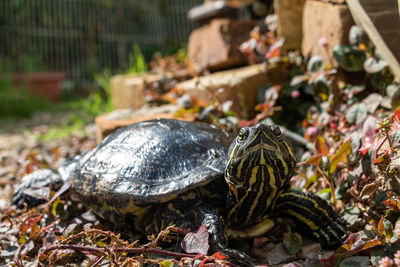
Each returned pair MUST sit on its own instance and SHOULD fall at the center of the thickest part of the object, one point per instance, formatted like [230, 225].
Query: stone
[279, 255]
[290, 19]
[108, 123]
[306, 250]
[330, 21]
[128, 90]
[215, 46]
[237, 85]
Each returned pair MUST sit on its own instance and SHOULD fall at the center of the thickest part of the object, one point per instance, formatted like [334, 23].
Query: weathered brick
[325, 19]
[215, 46]
[237, 85]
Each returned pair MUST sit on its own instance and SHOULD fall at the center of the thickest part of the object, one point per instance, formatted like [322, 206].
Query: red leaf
[384, 158]
[381, 228]
[393, 204]
[361, 245]
[320, 146]
[196, 242]
[275, 49]
[396, 114]
[220, 255]
[314, 160]
[365, 150]
[254, 121]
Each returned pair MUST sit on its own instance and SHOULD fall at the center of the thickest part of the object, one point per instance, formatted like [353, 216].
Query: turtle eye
[276, 130]
[242, 134]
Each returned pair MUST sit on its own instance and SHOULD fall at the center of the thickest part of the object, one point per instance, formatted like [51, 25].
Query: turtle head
[258, 169]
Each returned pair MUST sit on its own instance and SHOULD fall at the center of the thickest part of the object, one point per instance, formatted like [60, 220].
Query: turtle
[162, 172]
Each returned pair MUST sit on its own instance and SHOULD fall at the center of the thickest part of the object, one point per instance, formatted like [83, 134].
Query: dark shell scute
[153, 161]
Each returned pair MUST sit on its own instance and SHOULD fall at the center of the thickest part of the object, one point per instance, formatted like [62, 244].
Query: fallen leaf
[196, 242]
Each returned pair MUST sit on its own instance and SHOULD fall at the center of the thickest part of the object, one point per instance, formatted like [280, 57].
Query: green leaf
[356, 113]
[394, 238]
[374, 65]
[370, 234]
[378, 81]
[324, 164]
[357, 35]
[385, 227]
[395, 137]
[325, 194]
[355, 261]
[315, 64]
[367, 162]
[292, 242]
[312, 179]
[349, 59]
[321, 87]
[397, 227]
[388, 228]
[166, 264]
[351, 215]
[340, 156]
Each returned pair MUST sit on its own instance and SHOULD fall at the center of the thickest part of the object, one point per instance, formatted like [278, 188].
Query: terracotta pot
[47, 84]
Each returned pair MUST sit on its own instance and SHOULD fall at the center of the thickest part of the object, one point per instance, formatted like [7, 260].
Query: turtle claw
[34, 188]
[238, 257]
[332, 233]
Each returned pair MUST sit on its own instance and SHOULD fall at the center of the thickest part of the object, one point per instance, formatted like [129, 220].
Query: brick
[237, 85]
[215, 46]
[290, 19]
[127, 91]
[325, 19]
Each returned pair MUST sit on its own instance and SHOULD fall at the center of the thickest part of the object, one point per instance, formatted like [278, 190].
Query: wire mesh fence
[81, 37]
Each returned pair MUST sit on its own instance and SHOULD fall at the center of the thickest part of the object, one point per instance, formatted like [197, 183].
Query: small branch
[390, 141]
[379, 147]
[164, 233]
[331, 185]
[121, 250]
[98, 261]
[297, 138]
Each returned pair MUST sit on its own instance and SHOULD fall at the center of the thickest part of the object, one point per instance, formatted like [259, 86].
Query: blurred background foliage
[89, 41]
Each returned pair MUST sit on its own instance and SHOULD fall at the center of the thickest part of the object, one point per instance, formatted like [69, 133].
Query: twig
[98, 261]
[296, 137]
[164, 233]
[121, 250]
[379, 146]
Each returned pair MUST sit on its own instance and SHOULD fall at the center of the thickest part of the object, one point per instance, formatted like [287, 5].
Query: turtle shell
[152, 162]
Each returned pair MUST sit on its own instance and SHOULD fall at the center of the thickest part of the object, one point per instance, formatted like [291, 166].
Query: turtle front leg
[217, 238]
[35, 187]
[313, 215]
[173, 214]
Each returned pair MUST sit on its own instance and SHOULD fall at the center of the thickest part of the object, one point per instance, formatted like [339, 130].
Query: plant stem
[98, 261]
[127, 250]
[390, 141]
[331, 185]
